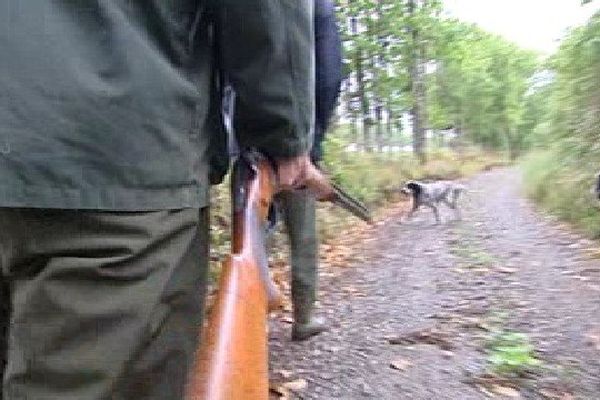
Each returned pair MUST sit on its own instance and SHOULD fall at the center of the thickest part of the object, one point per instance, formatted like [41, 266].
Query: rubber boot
[299, 211]
[309, 327]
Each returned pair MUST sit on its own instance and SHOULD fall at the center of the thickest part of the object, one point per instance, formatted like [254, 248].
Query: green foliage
[560, 174]
[368, 176]
[563, 189]
[480, 86]
[472, 256]
[575, 101]
[374, 177]
[381, 48]
[404, 56]
[468, 249]
[511, 353]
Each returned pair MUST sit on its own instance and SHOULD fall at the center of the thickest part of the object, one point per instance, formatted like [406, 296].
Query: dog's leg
[415, 206]
[411, 213]
[455, 195]
[436, 213]
[453, 204]
[458, 213]
[449, 204]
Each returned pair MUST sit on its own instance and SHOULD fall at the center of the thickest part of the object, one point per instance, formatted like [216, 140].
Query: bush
[563, 188]
[374, 177]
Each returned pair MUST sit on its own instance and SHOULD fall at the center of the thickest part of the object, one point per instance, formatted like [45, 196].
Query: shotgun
[232, 363]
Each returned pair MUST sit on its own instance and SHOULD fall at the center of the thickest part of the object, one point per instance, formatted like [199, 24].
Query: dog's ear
[416, 188]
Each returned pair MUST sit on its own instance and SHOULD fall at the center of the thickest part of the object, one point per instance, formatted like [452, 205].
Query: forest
[421, 82]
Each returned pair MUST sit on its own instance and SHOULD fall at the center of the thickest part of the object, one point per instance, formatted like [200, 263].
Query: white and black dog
[433, 194]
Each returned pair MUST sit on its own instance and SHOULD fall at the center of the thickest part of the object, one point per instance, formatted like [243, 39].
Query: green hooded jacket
[110, 104]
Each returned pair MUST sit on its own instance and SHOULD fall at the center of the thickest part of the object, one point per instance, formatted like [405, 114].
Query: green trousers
[102, 305]
[299, 210]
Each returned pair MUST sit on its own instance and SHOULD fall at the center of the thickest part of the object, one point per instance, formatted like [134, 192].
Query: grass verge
[563, 188]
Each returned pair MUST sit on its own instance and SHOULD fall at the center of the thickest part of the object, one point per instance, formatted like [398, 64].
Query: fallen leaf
[485, 391]
[400, 364]
[505, 391]
[350, 289]
[593, 253]
[278, 389]
[284, 373]
[556, 394]
[507, 270]
[447, 354]
[593, 339]
[426, 336]
[334, 349]
[297, 385]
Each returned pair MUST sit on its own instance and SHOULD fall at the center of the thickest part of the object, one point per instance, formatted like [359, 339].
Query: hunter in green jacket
[107, 111]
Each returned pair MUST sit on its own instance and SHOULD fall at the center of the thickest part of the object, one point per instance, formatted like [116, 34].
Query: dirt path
[443, 293]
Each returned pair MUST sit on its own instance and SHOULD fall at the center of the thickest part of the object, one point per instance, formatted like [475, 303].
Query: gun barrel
[325, 190]
[347, 202]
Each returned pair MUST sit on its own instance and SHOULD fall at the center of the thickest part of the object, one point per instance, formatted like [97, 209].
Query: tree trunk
[377, 63]
[390, 131]
[417, 89]
[379, 131]
[354, 128]
[364, 101]
[511, 143]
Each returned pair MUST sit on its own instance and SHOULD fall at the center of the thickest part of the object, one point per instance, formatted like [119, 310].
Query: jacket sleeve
[267, 50]
[328, 53]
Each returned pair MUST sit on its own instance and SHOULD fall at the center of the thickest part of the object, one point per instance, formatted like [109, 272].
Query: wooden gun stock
[232, 363]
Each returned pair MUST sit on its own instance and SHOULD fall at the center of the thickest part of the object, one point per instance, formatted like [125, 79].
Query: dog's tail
[461, 190]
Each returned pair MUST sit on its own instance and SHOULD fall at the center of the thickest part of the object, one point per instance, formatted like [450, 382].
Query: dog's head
[412, 188]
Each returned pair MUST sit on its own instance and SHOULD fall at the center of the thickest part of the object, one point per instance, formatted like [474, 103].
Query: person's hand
[291, 172]
[299, 172]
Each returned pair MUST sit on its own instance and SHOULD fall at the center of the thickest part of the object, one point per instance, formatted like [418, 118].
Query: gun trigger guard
[272, 217]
